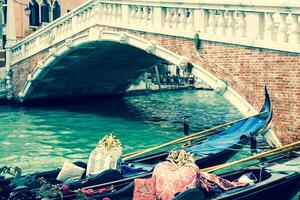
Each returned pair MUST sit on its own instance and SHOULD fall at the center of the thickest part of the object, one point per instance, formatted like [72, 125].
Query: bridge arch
[42, 83]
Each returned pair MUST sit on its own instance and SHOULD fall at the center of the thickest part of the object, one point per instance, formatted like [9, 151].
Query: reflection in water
[39, 138]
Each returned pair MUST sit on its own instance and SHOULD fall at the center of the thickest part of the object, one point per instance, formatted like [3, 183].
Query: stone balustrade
[2, 88]
[250, 23]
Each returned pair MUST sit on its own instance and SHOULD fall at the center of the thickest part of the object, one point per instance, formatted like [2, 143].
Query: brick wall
[68, 5]
[245, 69]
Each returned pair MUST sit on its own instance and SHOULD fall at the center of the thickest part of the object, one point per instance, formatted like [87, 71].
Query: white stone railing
[2, 88]
[254, 23]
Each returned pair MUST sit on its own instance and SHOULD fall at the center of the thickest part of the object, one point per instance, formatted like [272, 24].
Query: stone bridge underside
[93, 69]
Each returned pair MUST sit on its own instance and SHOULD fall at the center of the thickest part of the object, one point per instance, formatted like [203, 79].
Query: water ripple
[40, 138]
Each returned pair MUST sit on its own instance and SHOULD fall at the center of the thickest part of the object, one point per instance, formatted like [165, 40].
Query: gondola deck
[273, 181]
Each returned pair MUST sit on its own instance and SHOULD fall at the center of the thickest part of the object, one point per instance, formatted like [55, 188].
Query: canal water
[41, 138]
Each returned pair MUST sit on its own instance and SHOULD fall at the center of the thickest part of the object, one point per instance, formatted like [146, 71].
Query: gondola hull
[215, 150]
[271, 183]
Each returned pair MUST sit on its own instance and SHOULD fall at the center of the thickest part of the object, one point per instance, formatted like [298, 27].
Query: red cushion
[144, 189]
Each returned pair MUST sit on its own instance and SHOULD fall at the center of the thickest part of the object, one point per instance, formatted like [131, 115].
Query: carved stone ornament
[69, 43]
[41, 65]
[183, 63]
[29, 77]
[124, 38]
[51, 38]
[151, 48]
[21, 95]
[100, 33]
[221, 87]
[53, 52]
[95, 33]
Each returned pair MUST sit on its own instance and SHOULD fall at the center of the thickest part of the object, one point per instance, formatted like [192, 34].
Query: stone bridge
[100, 47]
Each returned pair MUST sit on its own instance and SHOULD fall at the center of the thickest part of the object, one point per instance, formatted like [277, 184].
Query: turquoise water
[40, 138]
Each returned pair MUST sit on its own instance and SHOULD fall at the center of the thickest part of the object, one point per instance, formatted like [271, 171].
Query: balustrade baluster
[212, 22]
[175, 19]
[68, 32]
[74, 22]
[119, 13]
[140, 15]
[145, 16]
[241, 25]
[269, 27]
[295, 30]
[137, 15]
[92, 15]
[97, 12]
[230, 30]
[63, 30]
[150, 16]
[83, 18]
[132, 15]
[282, 35]
[182, 20]
[190, 20]
[221, 25]
[104, 12]
[115, 12]
[168, 18]
[109, 13]
[23, 51]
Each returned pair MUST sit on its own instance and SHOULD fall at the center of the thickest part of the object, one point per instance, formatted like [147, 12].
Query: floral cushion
[144, 189]
[172, 179]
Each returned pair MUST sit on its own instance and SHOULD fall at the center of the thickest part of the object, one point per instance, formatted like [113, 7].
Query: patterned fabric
[209, 182]
[171, 179]
[100, 160]
[107, 155]
[144, 189]
[168, 179]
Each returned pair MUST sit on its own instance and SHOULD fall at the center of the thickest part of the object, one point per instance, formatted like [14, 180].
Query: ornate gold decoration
[180, 157]
[110, 142]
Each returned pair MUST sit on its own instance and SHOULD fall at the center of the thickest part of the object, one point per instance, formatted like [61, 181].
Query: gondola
[274, 178]
[216, 149]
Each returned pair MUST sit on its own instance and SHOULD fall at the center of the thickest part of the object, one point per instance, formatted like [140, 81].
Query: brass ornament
[180, 158]
[110, 142]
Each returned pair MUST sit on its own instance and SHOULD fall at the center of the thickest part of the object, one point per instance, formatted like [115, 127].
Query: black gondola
[274, 178]
[215, 150]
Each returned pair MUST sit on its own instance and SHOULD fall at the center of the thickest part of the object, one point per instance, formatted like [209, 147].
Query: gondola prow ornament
[107, 155]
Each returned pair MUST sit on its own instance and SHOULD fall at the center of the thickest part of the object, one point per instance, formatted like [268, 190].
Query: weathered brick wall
[245, 69]
[248, 69]
[67, 5]
[22, 69]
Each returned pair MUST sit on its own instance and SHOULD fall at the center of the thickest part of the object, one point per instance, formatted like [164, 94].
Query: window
[4, 9]
[56, 10]
[45, 11]
[34, 17]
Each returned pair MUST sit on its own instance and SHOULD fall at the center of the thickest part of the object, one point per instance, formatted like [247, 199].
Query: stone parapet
[250, 23]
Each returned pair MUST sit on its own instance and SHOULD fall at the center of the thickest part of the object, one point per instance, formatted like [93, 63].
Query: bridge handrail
[51, 25]
[251, 23]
